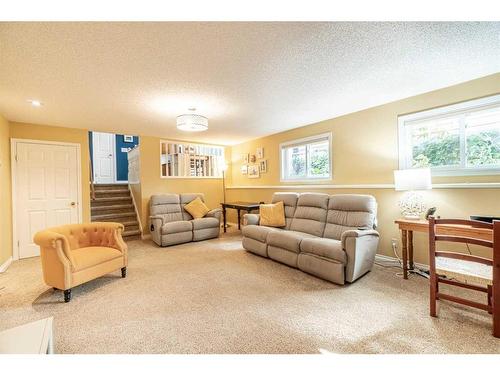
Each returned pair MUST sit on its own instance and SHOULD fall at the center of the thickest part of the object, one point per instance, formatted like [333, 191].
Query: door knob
[73, 204]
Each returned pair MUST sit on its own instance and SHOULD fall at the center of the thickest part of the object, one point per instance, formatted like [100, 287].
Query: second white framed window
[307, 159]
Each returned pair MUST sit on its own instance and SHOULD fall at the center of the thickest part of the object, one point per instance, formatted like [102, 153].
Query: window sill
[465, 172]
[308, 181]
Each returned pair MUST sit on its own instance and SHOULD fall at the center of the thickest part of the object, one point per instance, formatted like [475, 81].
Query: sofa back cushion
[290, 202]
[166, 205]
[188, 198]
[350, 211]
[310, 214]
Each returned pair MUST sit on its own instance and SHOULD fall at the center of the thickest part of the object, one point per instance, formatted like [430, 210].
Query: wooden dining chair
[466, 270]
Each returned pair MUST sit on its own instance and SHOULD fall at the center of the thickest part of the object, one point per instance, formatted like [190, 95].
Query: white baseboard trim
[5, 265]
[460, 185]
[386, 258]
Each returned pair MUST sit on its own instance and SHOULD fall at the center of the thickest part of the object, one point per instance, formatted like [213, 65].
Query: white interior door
[103, 157]
[47, 191]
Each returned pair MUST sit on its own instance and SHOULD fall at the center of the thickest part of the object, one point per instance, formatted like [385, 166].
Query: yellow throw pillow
[196, 208]
[272, 215]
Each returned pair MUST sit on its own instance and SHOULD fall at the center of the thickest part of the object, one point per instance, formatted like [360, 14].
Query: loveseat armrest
[156, 222]
[251, 219]
[216, 212]
[57, 261]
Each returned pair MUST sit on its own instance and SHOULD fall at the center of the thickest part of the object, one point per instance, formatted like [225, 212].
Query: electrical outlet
[394, 242]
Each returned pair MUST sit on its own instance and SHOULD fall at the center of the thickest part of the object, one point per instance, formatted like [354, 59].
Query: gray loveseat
[171, 224]
[330, 236]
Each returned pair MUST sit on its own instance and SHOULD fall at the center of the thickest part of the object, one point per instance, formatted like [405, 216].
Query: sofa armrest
[251, 219]
[216, 212]
[360, 247]
[357, 233]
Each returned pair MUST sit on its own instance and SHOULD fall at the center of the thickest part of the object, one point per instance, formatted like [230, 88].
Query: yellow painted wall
[5, 194]
[60, 134]
[365, 151]
[152, 183]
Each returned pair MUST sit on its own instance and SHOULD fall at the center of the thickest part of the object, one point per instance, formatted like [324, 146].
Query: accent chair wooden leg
[67, 295]
[124, 272]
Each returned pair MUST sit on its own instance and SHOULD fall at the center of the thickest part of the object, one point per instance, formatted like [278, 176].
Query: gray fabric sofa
[329, 236]
[171, 224]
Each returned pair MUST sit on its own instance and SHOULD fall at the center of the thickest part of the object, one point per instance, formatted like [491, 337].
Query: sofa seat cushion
[258, 232]
[177, 227]
[325, 248]
[205, 222]
[91, 256]
[288, 239]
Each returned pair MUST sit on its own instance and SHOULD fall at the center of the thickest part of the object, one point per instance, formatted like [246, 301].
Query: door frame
[13, 178]
[94, 159]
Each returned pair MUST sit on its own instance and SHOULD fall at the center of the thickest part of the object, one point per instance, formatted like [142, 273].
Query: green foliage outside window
[483, 148]
[319, 164]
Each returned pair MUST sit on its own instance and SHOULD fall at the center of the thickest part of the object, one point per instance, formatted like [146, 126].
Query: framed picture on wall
[246, 158]
[244, 169]
[260, 153]
[128, 138]
[253, 171]
[263, 166]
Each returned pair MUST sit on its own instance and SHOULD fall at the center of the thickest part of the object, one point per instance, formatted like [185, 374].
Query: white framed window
[456, 140]
[307, 159]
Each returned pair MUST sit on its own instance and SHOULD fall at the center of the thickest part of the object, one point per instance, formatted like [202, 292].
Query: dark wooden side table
[239, 206]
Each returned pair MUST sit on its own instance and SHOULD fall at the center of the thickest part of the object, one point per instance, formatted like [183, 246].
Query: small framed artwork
[246, 158]
[244, 169]
[128, 138]
[252, 159]
[260, 153]
[253, 171]
[263, 166]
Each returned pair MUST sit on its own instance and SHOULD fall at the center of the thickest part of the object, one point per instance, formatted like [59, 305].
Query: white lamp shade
[413, 179]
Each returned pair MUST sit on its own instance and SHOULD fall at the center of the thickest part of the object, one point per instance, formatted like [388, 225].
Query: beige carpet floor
[213, 297]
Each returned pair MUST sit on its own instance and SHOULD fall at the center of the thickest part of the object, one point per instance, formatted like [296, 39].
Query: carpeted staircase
[113, 202]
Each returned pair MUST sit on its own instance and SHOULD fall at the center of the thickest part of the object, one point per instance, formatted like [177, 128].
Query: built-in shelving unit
[189, 160]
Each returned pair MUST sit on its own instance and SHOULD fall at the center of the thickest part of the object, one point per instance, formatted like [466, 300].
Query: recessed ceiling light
[35, 103]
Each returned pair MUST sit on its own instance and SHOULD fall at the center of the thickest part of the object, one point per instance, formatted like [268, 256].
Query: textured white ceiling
[249, 79]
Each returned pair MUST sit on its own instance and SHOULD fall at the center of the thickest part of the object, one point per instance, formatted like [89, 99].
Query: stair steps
[113, 202]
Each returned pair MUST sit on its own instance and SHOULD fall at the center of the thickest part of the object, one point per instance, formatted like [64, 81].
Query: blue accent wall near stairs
[121, 157]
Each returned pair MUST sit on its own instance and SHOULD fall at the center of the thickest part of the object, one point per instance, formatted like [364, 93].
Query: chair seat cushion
[258, 232]
[86, 257]
[176, 227]
[288, 239]
[465, 271]
[324, 247]
[205, 222]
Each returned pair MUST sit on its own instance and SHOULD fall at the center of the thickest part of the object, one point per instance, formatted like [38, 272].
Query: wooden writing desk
[407, 227]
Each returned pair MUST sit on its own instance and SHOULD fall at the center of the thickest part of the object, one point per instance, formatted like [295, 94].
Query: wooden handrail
[92, 188]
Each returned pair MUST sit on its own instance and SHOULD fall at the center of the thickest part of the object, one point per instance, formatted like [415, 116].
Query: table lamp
[411, 181]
